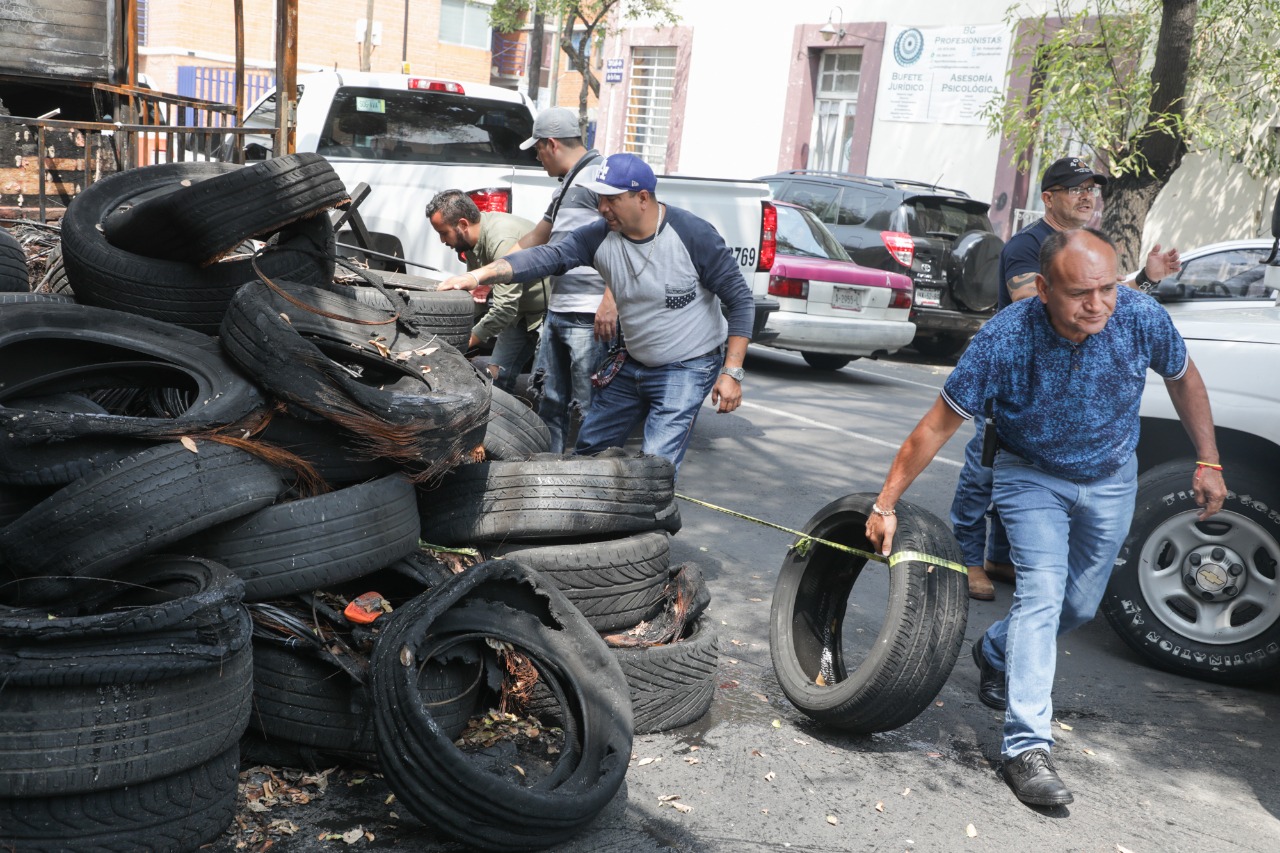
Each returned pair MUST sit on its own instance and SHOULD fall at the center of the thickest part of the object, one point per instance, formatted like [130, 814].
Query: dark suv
[940, 237]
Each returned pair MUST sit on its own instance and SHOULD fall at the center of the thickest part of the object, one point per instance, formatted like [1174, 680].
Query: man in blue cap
[666, 273]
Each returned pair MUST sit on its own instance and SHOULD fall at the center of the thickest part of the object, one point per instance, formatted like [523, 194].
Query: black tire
[38, 298]
[313, 543]
[181, 293]
[325, 446]
[941, 345]
[16, 501]
[55, 275]
[133, 507]
[440, 784]
[514, 430]
[14, 276]
[975, 259]
[1225, 628]
[303, 700]
[825, 360]
[174, 814]
[415, 400]
[672, 685]
[49, 347]
[201, 221]
[155, 594]
[550, 496]
[615, 583]
[918, 641]
[52, 739]
[448, 314]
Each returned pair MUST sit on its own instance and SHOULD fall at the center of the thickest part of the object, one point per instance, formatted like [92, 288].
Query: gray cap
[555, 123]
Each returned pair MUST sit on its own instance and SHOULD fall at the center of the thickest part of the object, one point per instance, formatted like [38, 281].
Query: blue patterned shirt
[1069, 409]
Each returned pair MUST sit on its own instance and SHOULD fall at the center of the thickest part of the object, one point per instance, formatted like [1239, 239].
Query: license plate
[928, 296]
[849, 298]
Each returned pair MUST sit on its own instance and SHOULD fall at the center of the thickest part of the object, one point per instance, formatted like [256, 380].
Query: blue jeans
[667, 398]
[568, 355]
[1064, 538]
[971, 508]
[511, 351]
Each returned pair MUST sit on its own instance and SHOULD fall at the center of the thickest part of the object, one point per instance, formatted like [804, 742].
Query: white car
[1219, 275]
[1203, 598]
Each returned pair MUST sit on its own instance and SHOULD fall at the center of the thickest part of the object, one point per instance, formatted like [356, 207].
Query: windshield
[801, 233]
[425, 127]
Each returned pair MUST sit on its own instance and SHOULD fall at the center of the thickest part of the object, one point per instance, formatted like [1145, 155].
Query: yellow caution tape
[801, 546]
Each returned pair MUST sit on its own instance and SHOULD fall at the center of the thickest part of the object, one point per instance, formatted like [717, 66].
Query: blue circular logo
[908, 47]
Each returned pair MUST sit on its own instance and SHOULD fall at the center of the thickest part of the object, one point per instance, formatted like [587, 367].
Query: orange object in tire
[365, 608]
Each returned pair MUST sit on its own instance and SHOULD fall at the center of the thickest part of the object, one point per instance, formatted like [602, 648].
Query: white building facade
[889, 89]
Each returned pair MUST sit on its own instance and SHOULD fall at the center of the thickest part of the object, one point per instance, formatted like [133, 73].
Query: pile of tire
[209, 451]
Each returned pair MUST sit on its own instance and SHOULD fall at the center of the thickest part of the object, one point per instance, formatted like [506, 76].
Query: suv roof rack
[891, 183]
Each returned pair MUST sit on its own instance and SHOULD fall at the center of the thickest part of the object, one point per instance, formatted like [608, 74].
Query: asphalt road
[1157, 763]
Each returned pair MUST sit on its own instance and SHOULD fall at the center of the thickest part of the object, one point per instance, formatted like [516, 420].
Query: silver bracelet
[878, 511]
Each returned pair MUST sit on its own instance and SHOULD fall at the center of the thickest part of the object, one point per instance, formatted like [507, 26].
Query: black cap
[1069, 172]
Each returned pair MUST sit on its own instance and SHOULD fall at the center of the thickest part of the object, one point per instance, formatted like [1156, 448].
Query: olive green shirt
[513, 303]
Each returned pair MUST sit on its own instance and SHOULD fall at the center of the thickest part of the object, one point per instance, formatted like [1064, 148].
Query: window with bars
[653, 75]
[142, 23]
[463, 22]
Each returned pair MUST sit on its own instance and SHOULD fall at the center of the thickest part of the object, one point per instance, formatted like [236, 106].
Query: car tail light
[768, 237]
[900, 245]
[901, 299]
[492, 200]
[436, 85]
[791, 288]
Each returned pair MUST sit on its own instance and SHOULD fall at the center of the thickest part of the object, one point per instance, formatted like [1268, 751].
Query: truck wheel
[1201, 598]
[825, 360]
[849, 675]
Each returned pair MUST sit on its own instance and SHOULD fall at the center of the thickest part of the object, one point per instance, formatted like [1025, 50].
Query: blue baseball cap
[623, 173]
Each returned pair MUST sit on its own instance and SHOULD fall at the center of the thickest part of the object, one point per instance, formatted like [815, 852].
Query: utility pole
[553, 88]
[366, 48]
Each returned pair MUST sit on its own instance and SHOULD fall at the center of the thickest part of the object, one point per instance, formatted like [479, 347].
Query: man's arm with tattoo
[1022, 286]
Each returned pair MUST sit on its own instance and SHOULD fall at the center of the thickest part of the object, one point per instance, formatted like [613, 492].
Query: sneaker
[1034, 780]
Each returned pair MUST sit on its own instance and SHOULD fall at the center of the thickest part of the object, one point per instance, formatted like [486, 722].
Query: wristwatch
[734, 373]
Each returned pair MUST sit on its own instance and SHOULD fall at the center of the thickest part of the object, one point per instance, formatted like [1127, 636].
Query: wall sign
[942, 75]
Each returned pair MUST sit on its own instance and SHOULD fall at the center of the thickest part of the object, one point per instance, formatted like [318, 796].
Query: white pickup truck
[409, 137]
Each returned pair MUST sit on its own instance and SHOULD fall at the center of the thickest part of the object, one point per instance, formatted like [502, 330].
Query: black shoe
[1034, 780]
[991, 684]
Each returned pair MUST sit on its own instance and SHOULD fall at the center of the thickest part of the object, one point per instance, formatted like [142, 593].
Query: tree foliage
[594, 20]
[1140, 83]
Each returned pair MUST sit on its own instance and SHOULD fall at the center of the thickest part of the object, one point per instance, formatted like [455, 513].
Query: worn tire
[313, 543]
[514, 430]
[48, 346]
[441, 785]
[173, 814]
[550, 496]
[919, 639]
[303, 700]
[133, 507]
[184, 294]
[415, 400]
[200, 221]
[614, 583]
[1231, 638]
[447, 314]
[325, 446]
[76, 739]
[672, 685]
[14, 276]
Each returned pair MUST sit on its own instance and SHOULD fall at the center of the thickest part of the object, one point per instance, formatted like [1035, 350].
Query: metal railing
[55, 159]
[509, 55]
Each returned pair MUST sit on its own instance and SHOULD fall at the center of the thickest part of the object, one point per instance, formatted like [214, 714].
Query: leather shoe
[1003, 572]
[991, 681]
[1034, 780]
[980, 585]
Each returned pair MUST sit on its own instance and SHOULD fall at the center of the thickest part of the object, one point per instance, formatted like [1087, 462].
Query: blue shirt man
[1066, 373]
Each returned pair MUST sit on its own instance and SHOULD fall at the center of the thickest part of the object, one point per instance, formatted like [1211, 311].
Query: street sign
[613, 70]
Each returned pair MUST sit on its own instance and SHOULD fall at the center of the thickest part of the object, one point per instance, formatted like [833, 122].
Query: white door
[834, 109]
